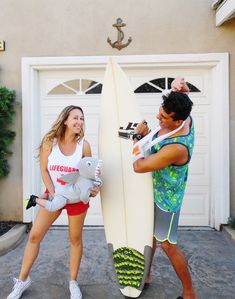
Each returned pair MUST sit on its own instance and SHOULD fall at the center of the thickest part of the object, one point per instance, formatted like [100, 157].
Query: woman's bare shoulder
[47, 145]
[86, 149]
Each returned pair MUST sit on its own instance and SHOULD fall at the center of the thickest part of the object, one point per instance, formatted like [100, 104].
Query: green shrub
[231, 222]
[7, 113]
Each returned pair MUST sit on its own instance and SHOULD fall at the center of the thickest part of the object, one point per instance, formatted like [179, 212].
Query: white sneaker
[19, 287]
[75, 291]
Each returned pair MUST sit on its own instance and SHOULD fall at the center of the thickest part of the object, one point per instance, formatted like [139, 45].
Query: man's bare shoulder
[175, 153]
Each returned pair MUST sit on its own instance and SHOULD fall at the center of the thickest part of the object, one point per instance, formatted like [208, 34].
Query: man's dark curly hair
[179, 103]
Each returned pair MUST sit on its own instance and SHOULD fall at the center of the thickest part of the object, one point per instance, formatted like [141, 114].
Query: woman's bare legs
[40, 227]
[76, 246]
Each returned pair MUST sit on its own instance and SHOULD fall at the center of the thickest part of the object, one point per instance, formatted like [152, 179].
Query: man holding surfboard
[168, 162]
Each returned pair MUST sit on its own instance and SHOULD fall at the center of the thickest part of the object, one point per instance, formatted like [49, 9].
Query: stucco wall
[81, 27]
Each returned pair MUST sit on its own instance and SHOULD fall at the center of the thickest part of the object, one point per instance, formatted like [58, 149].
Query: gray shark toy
[77, 188]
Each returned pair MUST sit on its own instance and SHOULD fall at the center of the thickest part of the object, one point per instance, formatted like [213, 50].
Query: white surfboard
[127, 197]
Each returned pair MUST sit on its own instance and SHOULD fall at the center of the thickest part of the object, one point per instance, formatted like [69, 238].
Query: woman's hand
[94, 191]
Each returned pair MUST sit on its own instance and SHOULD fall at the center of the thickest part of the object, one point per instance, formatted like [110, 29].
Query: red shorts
[75, 209]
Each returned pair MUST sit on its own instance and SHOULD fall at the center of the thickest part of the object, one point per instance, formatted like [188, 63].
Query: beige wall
[81, 27]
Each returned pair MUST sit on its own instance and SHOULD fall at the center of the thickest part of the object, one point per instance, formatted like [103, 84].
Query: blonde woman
[61, 149]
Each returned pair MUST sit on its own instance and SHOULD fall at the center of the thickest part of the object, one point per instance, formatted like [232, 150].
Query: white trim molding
[225, 11]
[217, 63]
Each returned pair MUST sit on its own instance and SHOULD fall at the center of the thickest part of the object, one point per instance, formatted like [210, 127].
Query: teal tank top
[169, 183]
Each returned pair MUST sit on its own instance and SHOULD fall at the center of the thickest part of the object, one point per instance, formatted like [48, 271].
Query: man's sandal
[146, 285]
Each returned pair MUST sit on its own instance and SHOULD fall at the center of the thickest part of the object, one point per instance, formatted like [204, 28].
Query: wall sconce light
[2, 45]
[120, 36]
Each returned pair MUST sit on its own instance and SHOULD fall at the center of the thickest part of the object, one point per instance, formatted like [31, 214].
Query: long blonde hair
[58, 128]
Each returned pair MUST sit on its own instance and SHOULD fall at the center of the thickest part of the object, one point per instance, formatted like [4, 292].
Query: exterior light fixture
[2, 45]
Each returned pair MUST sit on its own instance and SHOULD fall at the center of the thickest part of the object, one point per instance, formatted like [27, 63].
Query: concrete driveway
[211, 256]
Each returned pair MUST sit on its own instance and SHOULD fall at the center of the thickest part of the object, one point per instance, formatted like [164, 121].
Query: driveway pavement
[211, 256]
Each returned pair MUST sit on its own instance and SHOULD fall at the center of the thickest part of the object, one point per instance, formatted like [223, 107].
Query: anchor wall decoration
[118, 43]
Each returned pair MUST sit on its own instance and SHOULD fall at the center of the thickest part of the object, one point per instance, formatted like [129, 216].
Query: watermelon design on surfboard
[129, 265]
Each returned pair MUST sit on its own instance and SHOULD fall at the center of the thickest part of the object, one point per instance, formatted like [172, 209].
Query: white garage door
[61, 88]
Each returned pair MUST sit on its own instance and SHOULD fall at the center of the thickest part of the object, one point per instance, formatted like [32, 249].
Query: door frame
[217, 63]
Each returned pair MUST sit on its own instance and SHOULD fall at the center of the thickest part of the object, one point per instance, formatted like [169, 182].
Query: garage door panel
[95, 212]
[195, 220]
[93, 218]
[199, 167]
[201, 122]
[47, 122]
[60, 103]
[195, 207]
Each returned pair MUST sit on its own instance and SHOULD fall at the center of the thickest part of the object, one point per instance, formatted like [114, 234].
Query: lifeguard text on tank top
[60, 164]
